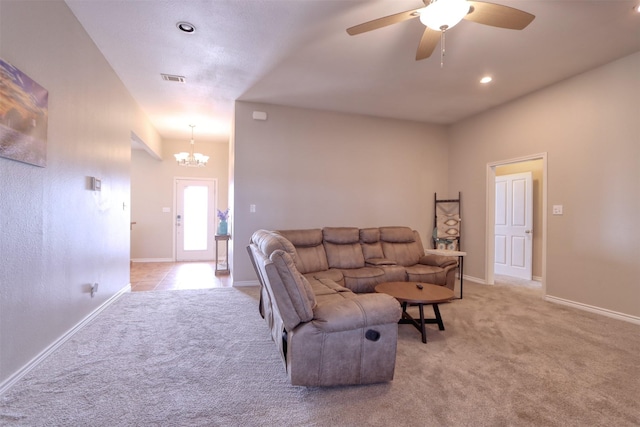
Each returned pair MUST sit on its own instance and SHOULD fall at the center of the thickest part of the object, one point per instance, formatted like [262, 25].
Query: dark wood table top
[410, 293]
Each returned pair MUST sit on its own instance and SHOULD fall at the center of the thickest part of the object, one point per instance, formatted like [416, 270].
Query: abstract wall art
[23, 117]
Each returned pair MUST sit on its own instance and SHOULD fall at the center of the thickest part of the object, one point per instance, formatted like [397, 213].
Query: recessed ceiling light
[485, 80]
[636, 8]
[186, 27]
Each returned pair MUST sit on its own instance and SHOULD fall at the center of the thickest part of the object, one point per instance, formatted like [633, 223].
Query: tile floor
[156, 276]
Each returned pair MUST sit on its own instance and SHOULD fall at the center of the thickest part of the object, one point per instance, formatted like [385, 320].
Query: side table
[459, 254]
[222, 238]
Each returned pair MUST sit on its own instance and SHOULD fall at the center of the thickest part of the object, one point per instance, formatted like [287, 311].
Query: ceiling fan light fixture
[486, 79]
[443, 15]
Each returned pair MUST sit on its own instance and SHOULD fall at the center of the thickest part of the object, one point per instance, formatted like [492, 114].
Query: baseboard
[592, 309]
[246, 283]
[152, 260]
[473, 279]
[536, 278]
[8, 383]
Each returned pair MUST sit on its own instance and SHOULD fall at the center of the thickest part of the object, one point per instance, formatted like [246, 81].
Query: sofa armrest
[353, 313]
[380, 261]
[438, 260]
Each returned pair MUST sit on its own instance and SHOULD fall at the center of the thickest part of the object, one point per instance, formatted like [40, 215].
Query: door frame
[490, 216]
[175, 207]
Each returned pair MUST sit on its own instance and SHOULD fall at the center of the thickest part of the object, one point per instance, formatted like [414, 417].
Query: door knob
[527, 231]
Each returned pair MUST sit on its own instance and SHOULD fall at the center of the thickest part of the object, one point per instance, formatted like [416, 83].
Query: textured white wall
[307, 168]
[57, 236]
[589, 127]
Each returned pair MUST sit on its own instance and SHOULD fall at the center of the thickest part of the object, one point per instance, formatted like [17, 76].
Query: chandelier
[191, 159]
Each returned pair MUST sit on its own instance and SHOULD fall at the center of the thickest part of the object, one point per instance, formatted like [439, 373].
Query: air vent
[172, 78]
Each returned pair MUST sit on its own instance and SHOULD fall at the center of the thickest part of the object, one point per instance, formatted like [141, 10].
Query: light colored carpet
[204, 358]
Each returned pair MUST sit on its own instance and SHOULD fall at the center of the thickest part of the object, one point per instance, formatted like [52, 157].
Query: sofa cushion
[362, 273]
[426, 273]
[401, 244]
[303, 238]
[370, 242]
[397, 234]
[331, 274]
[438, 260]
[325, 286]
[296, 285]
[342, 245]
[311, 255]
[268, 242]
[344, 256]
[380, 261]
[362, 279]
[369, 235]
[372, 250]
[341, 235]
[403, 253]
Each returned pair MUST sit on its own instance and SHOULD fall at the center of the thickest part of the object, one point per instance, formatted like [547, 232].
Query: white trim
[8, 383]
[246, 283]
[474, 279]
[592, 309]
[536, 278]
[152, 260]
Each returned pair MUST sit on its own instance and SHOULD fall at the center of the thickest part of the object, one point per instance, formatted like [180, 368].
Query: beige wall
[152, 188]
[307, 168]
[535, 167]
[588, 126]
[56, 235]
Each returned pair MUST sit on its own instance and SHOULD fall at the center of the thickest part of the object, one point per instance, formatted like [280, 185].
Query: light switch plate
[557, 209]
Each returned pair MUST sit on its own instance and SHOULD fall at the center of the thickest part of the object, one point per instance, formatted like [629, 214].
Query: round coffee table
[419, 294]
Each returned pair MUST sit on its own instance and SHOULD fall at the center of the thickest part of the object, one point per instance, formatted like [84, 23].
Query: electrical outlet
[557, 209]
[252, 208]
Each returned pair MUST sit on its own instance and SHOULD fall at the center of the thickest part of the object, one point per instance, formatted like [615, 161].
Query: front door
[195, 219]
[513, 225]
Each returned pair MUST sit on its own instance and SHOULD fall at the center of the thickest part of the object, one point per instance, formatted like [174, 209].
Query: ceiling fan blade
[383, 22]
[428, 43]
[498, 15]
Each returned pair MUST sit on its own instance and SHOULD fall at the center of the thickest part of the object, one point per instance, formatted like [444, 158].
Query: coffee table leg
[422, 328]
[436, 310]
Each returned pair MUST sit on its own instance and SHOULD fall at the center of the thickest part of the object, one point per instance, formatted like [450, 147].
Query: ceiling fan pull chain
[442, 48]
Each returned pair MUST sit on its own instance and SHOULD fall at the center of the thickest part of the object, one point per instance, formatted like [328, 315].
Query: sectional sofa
[318, 298]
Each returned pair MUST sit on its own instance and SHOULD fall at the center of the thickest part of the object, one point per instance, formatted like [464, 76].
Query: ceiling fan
[438, 16]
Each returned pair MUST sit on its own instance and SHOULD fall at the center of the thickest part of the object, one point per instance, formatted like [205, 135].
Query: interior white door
[514, 225]
[195, 219]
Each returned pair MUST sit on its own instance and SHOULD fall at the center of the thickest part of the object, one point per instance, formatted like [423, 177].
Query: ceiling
[297, 53]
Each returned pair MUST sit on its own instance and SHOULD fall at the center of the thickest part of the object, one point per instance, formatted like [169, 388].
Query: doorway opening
[513, 232]
[537, 165]
[195, 219]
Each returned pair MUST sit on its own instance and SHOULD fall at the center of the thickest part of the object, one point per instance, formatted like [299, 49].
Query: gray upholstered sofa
[316, 298]
[360, 259]
[327, 335]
